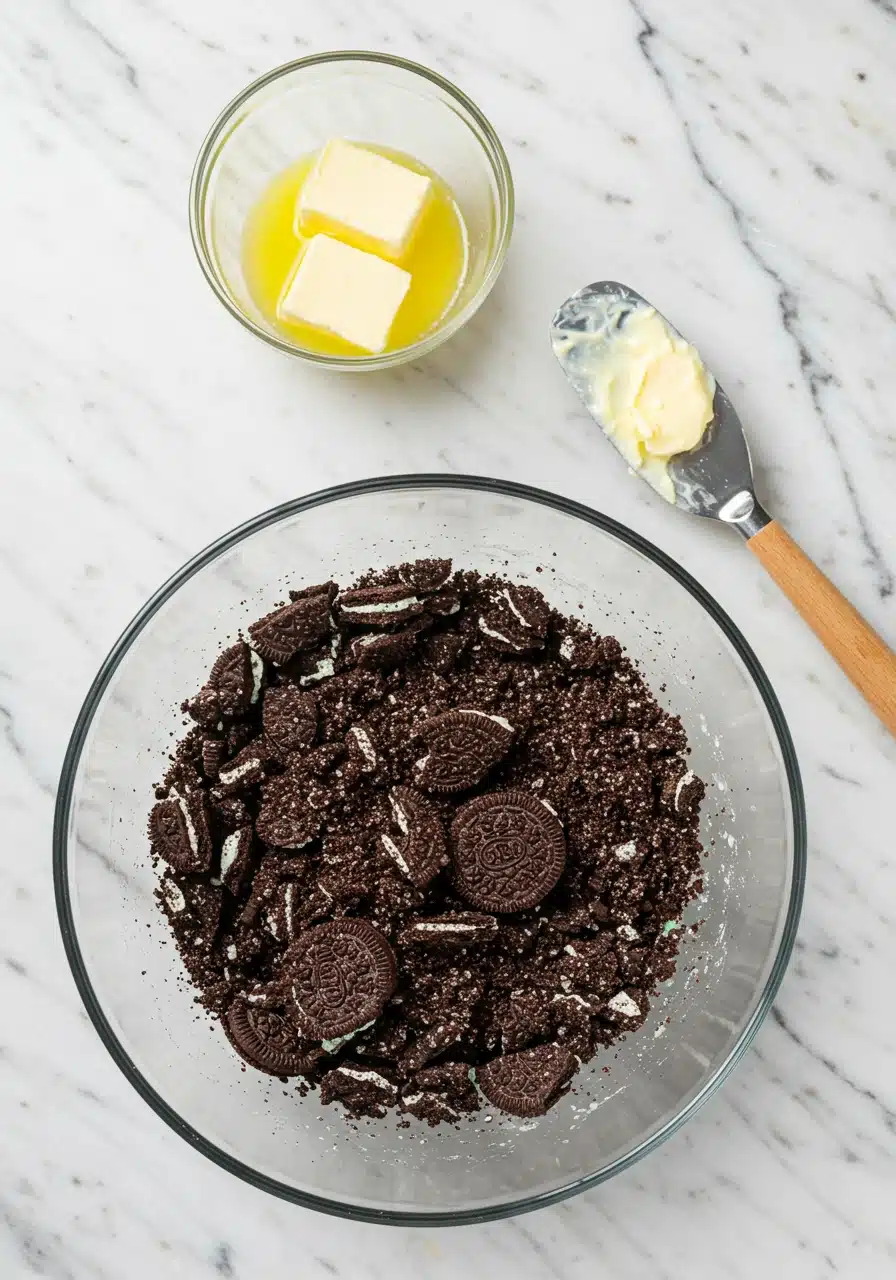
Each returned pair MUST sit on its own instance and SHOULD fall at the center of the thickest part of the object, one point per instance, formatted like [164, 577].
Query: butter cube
[350, 293]
[359, 192]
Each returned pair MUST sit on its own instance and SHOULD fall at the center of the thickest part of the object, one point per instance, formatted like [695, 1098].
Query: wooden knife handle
[862, 654]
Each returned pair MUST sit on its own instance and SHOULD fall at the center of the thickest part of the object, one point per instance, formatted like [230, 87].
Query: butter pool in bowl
[352, 209]
[626, 1101]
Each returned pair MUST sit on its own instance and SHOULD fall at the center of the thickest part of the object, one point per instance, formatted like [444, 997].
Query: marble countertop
[734, 160]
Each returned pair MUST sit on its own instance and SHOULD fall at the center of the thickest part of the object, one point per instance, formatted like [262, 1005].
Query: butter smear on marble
[648, 389]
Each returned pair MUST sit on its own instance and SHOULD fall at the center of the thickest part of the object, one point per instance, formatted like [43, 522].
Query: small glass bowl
[369, 97]
[627, 1100]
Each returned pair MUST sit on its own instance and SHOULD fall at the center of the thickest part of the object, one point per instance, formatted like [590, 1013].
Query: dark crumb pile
[424, 843]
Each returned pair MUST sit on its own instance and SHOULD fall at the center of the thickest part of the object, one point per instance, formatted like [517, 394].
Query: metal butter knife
[715, 480]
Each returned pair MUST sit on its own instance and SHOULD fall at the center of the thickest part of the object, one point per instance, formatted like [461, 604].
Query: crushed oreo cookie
[424, 842]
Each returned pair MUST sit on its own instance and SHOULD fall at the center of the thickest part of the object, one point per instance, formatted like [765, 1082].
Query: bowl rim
[387, 484]
[495, 154]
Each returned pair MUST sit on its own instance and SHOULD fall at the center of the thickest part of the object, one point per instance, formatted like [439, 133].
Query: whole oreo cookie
[290, 718]
[463, 746]
[269, 1040]
[379, 606]
[282, 634]
[179, 832]
[508, 850]
[340, 976]
[527, 1083]
[419, 850]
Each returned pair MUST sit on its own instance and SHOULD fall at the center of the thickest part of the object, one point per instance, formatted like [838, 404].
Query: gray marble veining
[736, 163]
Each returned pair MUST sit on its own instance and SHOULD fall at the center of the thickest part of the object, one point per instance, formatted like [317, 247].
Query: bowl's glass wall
[747, 827]
[378, 102]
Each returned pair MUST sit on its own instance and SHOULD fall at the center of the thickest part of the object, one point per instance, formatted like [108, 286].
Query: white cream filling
[401, 818]
[330, 1046]
[505, 724]
[683, 781]
[628, 933]
[494, 635]
[229, 852]
[226, 776]
[625, 852]
[625, 1005]
[514, 610]
[231, 952]
[571, 996]
[324, 669]
[363, 740]
[173, 896]
[386, 606]
[393, 851]
[373, 1076]
[191, 830]
[257, 663]
[567, 648]
[550, 808]
[425, 927]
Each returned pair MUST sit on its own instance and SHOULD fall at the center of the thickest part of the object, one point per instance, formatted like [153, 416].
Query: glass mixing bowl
[701, 1023]
[368, 97]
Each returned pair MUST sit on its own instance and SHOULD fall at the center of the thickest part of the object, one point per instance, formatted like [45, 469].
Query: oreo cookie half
[527, 1083]
[269, 1040]
[290, 718]
[282, 634]
[463, 746]
[340, 976]
[508, 851]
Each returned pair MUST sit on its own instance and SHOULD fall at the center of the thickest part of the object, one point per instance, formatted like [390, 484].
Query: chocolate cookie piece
[268, 1040]
[361, 752]
[460, 929]
[272, 871]
[463, 746]
[419, 851]
[528, 1083]
[179, 832]
[379, 606]
[682, 790]
[237, 678]
[282, 634]
[425, 575]
[584, 651]
[340, 976]
[517, 619]
[444, 650]
[292, 811]
[360, 1089]
[290, 718]
[440, 1093]
[508, 851]
[384, 650]
[214, 753]
[236, 858]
